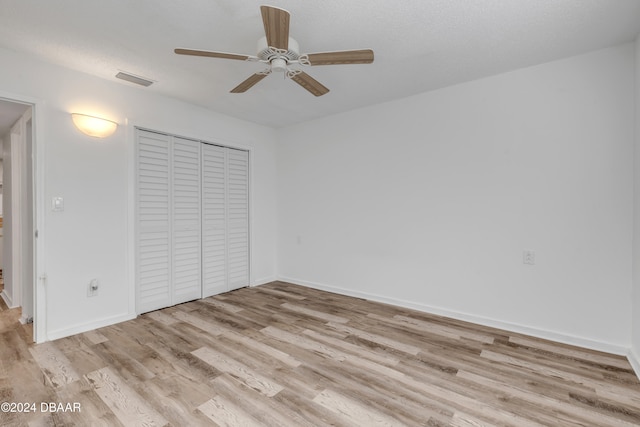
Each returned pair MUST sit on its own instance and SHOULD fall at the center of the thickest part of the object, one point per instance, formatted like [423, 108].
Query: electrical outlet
[92, 289]
[529, 257]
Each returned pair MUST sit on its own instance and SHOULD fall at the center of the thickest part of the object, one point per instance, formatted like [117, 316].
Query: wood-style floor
[284, 355]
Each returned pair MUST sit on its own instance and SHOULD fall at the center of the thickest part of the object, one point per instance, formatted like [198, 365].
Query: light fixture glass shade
[94, 126]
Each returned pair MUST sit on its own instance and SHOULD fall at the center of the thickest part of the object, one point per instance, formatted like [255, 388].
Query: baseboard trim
[634, 360]
[7, 299]
[507, 326]
[89, 326]
[263, 281]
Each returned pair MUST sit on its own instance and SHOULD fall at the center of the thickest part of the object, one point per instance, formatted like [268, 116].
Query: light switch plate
[57, 204]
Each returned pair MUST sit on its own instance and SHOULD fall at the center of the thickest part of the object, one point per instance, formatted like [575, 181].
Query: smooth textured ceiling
[419, 45]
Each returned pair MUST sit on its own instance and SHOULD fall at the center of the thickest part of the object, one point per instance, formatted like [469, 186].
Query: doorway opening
[17, 212]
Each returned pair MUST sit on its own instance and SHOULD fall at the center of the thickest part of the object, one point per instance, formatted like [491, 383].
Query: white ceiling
[419, 45]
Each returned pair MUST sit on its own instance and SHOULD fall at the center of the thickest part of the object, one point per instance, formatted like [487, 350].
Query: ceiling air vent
[134, 79]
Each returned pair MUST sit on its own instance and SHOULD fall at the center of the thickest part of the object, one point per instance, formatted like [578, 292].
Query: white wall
[429, 201]
[634, 355]
[91, 237]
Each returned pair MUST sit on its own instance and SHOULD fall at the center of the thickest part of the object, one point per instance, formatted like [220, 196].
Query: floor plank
[125, 403]
[286, 355]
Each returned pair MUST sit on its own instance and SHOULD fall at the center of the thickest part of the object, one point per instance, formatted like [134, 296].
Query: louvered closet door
[193, 220]
[153, 275]
[186, 221]
[238, 218]
[214, 220]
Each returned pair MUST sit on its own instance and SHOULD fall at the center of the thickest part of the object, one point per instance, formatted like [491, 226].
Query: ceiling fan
[279, 52]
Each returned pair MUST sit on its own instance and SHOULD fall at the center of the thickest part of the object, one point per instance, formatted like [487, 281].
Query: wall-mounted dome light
[94, 126]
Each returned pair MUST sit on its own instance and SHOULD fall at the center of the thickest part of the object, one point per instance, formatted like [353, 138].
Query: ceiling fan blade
[310, 84]
[211, 54]
[362, 56]
[248, 83]
[276, 26]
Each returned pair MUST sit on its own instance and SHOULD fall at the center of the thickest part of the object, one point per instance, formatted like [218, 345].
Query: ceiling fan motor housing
[278, 58]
